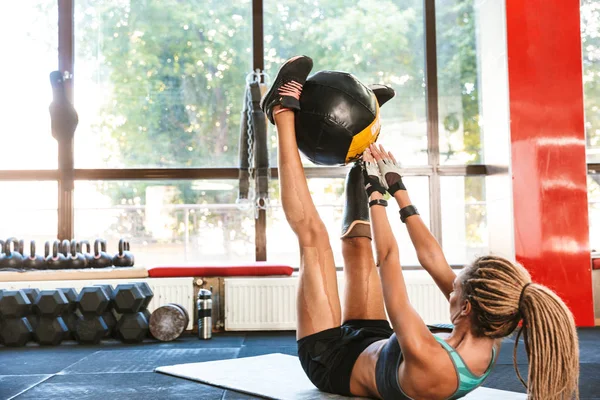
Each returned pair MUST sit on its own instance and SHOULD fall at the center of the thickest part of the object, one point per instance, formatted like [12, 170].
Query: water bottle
[204, 307]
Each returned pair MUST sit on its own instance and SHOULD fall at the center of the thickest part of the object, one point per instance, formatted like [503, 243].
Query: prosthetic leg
[355, 222]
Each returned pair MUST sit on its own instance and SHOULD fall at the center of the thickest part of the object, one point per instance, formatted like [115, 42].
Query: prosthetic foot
[285, 90]
[355, 222]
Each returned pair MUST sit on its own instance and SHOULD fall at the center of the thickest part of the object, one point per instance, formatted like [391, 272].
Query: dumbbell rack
[42, 319]
[166, 290]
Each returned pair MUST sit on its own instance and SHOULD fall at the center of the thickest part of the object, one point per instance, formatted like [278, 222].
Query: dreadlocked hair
[501, 295]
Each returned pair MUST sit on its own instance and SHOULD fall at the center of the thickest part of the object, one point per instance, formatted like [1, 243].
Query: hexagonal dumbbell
[92, 300]
[110, 315]
[110, 292]
[90, 329]
[32, 294]
[71, 315]
[132, 327]
[148, 294]
[13, 304]
[50, 305]
[50, 331]
[129, 298]
[15, 330]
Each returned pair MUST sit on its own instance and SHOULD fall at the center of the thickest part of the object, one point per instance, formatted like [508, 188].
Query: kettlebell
[33, 261]
[64, 248]
[128, 252]
[76, 259]
[54, 260]
[11, 259]
[88, 251]
[101, 258]
[122, 258]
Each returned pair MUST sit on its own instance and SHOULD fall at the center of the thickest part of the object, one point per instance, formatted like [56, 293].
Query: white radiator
[166, 290]
[260, 304]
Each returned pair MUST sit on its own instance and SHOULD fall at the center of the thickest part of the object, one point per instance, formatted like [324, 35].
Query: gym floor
[113, 370]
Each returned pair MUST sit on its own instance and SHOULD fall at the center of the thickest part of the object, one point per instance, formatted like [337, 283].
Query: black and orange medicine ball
[338, 118]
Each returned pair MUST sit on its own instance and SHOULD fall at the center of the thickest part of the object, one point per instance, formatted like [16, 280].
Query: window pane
[590, 40]
[378, 42]
[458, 82]
[328, 195]
[29, 33]
[167, 223]
[30, 211]
[464, 223]
[594, 199]
[160, 83]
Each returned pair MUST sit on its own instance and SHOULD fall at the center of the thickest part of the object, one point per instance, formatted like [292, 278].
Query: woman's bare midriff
[362, 381]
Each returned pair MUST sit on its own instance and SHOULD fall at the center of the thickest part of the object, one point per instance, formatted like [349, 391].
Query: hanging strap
[244, 162]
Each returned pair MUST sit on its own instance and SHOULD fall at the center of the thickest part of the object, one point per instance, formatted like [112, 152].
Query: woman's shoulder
[428, 376]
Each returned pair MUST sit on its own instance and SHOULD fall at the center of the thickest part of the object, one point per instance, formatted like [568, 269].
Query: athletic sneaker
[285, 90]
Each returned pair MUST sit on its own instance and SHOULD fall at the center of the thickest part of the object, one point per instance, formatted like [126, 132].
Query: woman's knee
[312, 233]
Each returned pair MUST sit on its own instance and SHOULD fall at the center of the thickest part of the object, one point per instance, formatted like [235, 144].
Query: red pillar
[548, 148]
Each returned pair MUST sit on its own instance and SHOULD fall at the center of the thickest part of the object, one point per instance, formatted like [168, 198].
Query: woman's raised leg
[318, 303]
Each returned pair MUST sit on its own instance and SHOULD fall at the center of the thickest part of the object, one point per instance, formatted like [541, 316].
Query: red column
[548, 148]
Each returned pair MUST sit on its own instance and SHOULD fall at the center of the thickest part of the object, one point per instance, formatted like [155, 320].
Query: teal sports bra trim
[467, 381]
[390, 357]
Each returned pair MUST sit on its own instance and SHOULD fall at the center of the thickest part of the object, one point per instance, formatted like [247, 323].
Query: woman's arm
[429, 252]
[410, 329]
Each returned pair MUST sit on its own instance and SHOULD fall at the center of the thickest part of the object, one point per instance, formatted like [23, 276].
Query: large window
[158, 86]
[160, 83]
[29, 43]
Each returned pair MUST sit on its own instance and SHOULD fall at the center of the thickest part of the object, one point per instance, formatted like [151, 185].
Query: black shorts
[329, 356]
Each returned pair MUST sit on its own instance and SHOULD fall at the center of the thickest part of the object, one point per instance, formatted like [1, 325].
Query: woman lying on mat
[355, 351]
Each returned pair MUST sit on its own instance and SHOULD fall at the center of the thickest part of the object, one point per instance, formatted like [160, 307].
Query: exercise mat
[279, 376]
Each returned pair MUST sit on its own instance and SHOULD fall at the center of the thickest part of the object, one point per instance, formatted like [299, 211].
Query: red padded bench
[595, 263]
[251, 269]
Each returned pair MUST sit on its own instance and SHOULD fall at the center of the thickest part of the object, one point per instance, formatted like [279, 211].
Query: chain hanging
[250, 130]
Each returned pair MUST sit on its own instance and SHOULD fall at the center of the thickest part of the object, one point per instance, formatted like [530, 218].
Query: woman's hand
[389, 167]
[374, 182]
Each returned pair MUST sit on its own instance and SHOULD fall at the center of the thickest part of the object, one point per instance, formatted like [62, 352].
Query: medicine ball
[338, 117]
